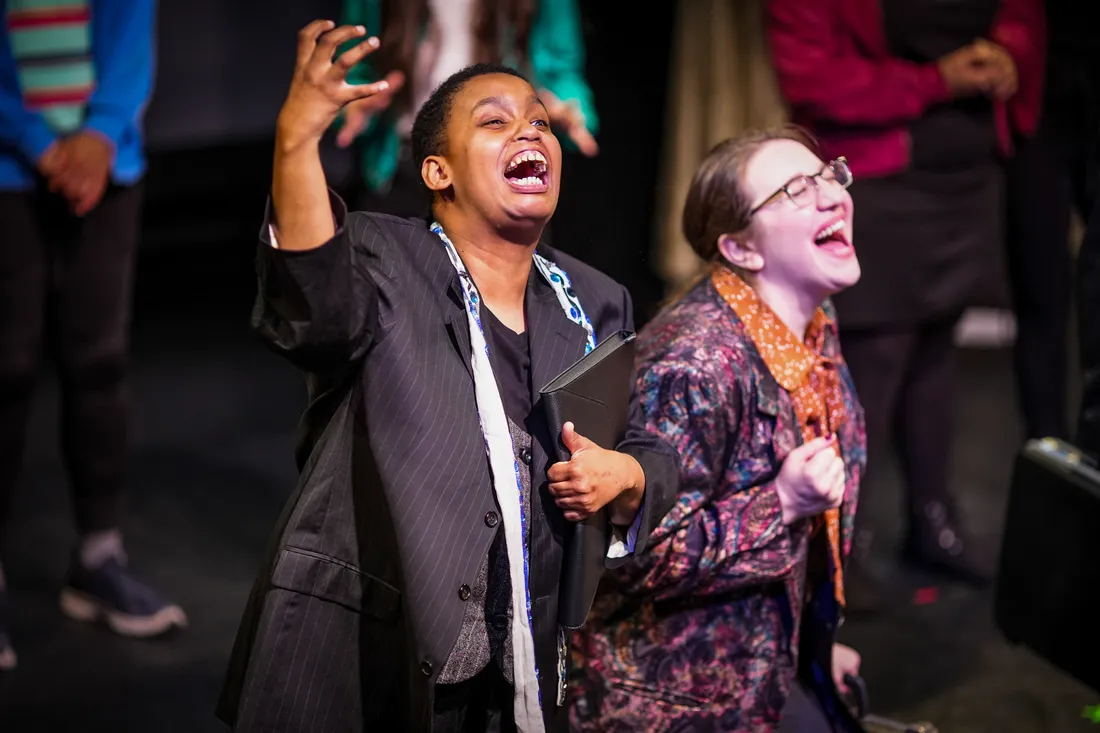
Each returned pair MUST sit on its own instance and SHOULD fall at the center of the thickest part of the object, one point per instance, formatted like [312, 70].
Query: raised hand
[594, 477]
[566, 119]
[810, 480]
[358, 113]
[319, 88]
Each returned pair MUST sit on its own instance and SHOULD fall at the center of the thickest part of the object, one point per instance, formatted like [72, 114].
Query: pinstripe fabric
[389, 518]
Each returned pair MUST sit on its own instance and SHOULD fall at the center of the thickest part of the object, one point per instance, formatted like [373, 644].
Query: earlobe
[435, 173]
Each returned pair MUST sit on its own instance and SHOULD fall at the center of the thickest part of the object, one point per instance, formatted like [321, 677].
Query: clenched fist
[810, 480]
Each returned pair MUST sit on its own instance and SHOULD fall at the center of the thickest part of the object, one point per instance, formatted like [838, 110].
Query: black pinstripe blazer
[359, 607]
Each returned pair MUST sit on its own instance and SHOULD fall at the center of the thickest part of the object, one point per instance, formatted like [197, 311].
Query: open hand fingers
[355, 54]
[362, 91]
[327, 43]
[307, 38]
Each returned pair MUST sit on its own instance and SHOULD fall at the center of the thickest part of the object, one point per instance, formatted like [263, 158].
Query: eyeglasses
[802, 190]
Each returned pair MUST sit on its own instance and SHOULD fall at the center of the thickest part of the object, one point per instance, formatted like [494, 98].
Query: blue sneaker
[7, 654]
[111, 593]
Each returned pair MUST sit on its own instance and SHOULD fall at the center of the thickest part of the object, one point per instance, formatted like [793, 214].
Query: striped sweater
[68, 65]
[51, 44]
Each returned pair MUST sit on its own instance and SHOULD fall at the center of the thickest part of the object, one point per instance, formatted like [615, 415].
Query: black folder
[594, 395]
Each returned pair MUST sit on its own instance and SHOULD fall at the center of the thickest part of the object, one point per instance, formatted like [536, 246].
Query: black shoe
[7, 654]
[935, 543]
[112, 594]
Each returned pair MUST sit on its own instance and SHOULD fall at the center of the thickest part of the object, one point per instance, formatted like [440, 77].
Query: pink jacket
[841, 82]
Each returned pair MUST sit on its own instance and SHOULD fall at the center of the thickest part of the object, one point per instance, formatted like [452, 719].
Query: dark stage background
[223, 71]
[215, 413]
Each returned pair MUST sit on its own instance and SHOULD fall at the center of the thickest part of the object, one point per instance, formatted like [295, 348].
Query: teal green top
[555, 50]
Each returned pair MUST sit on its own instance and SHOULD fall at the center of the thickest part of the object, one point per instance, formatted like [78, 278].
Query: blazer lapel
[458, 323]
[555, 341]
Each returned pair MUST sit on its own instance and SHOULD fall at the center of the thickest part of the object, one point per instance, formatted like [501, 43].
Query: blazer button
[525, 456]
[464, 592]
[492, 519]
[426, 668]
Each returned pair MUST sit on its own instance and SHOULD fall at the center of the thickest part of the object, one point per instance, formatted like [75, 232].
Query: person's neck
[796, 309]
[498, 261]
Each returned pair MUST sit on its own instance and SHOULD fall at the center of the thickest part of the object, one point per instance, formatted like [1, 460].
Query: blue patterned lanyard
[555, 276]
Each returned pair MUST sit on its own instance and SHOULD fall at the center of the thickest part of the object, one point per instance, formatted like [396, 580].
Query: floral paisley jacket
[701, 632]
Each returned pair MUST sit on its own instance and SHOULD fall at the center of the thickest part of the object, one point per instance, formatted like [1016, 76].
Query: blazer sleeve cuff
[269, 231]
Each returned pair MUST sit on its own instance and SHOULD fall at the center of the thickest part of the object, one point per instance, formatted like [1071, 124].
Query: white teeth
[525, 156]
[829, 231]
[529, 181]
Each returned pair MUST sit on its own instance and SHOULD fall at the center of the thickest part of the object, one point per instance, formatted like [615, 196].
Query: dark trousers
[482, 704]
[905, 379]
[1048, 177]
[65, 292]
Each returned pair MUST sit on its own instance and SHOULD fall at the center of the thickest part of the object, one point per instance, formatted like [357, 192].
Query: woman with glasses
[925, 97]
[730, 611]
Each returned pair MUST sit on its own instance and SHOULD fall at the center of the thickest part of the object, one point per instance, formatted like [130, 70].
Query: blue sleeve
[20, 128]
[556, 48]
[122, 49]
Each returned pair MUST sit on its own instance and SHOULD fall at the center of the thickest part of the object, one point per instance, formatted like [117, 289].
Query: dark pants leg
[94, 262]
[878, 360]
[1042, 188]
[24, 285]
[482, 704]
[904, 380]
[925, 417]
[81, 273]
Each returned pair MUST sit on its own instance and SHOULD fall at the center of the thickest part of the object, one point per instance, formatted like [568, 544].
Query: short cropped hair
[429, 130]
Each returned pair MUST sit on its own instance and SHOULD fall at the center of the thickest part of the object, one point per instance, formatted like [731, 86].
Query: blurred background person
[926, 115]
[75, 78]
[423, 43]
[1051, 176]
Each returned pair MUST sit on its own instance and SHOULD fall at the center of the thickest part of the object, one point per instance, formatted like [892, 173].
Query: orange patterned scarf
[801, 368]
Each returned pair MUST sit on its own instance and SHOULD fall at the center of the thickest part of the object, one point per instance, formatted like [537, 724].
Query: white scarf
[506, 480]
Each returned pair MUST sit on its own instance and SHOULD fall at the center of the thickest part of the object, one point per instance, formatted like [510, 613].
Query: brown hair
[716, 201]
[403, 23]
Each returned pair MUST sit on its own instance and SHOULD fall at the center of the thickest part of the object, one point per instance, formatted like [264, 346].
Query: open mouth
[834, 238]
[527, 172]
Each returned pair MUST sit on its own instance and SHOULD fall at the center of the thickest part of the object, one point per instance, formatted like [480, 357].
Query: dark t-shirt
[510, 356]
